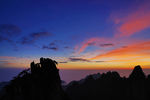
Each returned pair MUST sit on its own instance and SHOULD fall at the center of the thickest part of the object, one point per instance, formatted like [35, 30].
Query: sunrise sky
[79, 34]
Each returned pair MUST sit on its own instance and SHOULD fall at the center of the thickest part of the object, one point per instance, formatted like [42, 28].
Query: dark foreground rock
[40, 82]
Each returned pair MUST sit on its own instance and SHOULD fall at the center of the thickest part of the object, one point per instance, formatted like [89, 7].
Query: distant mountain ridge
[110, 86]
[81, 81]
[136, 73]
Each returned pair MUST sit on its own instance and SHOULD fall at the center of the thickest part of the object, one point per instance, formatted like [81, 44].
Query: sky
[78, 34]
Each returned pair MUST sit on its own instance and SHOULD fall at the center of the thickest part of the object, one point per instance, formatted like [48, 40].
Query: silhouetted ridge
[110, 86]
[110, 76]
[40, 82]
[137, 73]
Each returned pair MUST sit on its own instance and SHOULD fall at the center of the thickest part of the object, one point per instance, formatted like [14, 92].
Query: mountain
[137, 73]
[110, 86]
[40, 82]
[93, 76]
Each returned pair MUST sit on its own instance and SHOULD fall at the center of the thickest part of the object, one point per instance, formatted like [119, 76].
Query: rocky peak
[137, 73]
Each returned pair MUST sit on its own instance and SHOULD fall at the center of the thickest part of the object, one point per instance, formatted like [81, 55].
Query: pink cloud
[128, 24]
[88, 42]
[134, 22]
[135, 25]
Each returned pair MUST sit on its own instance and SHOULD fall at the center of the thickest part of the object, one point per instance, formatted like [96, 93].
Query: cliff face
[40, 82]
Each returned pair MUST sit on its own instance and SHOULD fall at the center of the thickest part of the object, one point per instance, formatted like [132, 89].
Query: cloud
[8, 33]
[5, 39]
[40, 34]
[51, 46]
[78, 59]
[67, 47]
[82, 60]
[63, 62]
[132, 50]
[76, 47]
[31, 38]
[133, 22]
[127, 25]
[96, 41]
[89, 42]
[11, 42]
[106, 45]
[9, 30]
[99, 61]
[55, 45]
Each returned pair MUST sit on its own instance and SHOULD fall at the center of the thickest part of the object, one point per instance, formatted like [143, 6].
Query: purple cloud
[106, 45]
[31, 38]
[9, 30]
[50, 48]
